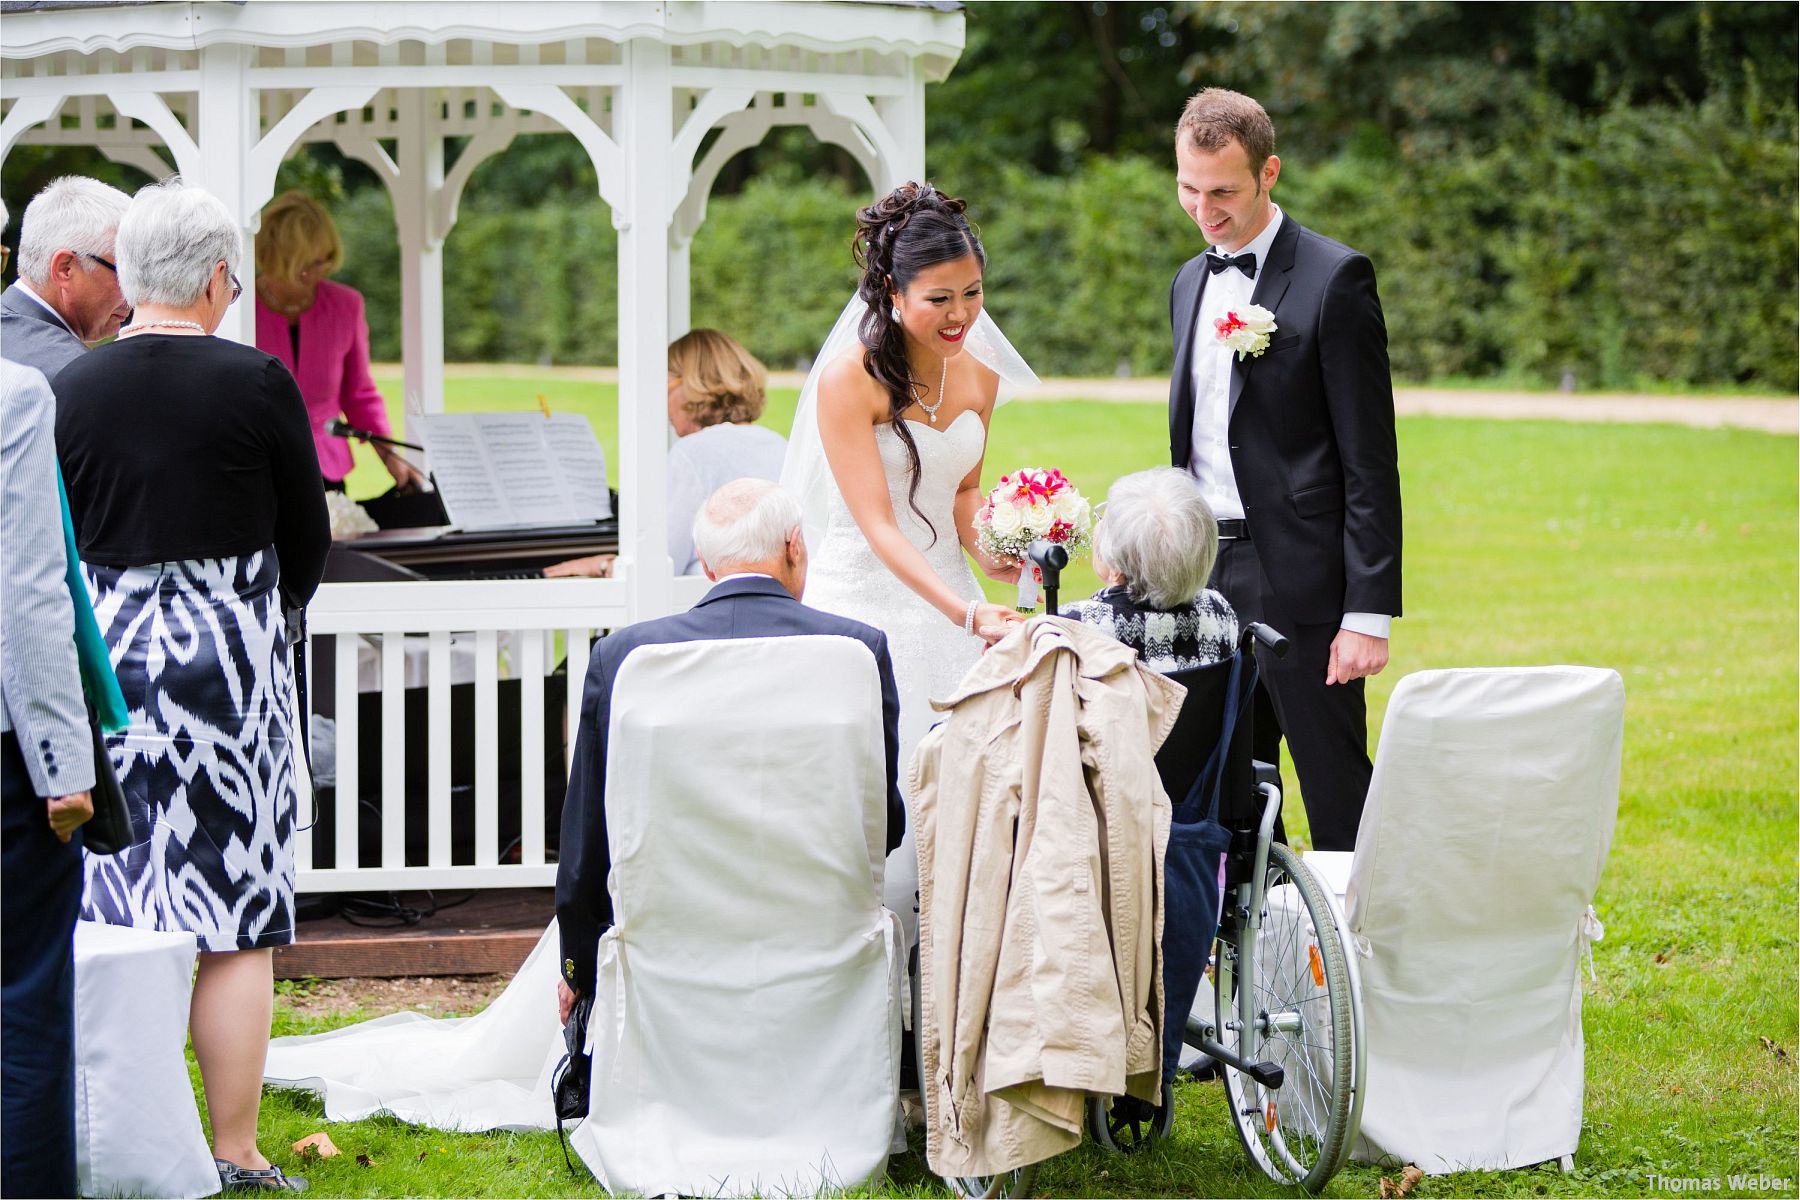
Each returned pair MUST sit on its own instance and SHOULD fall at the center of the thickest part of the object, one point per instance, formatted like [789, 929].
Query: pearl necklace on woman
[196, 326]
[931, 410]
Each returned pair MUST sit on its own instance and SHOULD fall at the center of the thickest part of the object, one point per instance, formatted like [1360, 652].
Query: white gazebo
[660, 95]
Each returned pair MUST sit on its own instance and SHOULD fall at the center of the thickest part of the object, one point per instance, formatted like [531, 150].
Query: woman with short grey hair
[1153, 550]
[200, 517]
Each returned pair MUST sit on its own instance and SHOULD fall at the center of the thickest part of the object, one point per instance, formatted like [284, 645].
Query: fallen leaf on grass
[363, 1160]
[319, 1144]
[1409, 1178]
[1773, 1048]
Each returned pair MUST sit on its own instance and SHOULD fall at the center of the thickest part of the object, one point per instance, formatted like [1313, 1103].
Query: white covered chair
[1487, 825]
[137, 1125]
[746, 1025]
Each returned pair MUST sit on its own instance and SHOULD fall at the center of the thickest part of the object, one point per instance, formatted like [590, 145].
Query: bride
[885, 456]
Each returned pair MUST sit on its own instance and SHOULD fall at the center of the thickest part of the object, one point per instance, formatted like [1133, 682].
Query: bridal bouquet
[1029, 505]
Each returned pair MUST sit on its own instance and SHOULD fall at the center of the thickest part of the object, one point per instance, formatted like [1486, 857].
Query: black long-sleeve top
[178, 448]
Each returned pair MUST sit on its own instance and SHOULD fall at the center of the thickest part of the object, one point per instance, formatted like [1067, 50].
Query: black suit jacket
[738, 608]
[1311, 430]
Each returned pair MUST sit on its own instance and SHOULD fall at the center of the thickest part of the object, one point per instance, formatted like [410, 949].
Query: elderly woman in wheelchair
[1282, 1020]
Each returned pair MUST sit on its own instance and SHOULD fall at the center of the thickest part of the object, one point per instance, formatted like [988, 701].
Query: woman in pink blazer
[316, 327]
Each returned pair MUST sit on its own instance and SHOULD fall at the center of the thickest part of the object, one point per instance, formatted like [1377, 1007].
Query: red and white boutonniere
[1246, 330]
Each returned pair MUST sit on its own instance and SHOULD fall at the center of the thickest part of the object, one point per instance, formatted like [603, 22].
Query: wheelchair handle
[1276, 643]
[1048, 555]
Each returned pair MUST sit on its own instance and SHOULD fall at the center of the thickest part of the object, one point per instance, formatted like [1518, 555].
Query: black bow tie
[1243, 262]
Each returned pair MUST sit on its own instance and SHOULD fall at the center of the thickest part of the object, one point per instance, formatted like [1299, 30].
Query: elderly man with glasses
[67, 294]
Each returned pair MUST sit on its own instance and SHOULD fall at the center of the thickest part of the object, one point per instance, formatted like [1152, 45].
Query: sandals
[233, 1178]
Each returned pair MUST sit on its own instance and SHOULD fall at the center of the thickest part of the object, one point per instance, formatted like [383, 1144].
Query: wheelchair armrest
[1263, 772]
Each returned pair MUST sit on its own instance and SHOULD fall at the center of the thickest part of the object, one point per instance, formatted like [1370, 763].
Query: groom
[749, 541]
[1293, 446]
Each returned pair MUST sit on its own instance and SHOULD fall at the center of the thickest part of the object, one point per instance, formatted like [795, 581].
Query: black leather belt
[1234, 529]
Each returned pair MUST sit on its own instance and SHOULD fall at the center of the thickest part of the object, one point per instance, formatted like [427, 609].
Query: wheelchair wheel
[1009, 1186]
[1125, 1124]
[1300, 1018]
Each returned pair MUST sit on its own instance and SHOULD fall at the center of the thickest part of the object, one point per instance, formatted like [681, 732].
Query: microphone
[338, 427]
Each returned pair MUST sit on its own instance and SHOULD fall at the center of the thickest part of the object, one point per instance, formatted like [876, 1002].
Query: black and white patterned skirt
[201, 654]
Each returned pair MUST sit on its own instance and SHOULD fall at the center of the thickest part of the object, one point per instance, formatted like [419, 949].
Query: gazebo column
[420, 148]
[228, 135]
[681, 295]
[643, 130]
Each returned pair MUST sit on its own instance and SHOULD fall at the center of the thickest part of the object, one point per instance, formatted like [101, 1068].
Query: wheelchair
[1283, 1021]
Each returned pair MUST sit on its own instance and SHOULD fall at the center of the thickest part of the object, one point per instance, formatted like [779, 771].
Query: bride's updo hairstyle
[909, 230]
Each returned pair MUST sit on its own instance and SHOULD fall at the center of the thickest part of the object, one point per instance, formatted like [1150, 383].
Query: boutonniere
[1246, 330]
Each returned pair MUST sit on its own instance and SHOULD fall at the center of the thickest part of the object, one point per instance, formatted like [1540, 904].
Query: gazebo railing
[446, 674]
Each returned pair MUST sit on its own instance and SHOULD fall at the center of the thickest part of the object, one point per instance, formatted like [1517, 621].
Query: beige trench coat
[1041, 825]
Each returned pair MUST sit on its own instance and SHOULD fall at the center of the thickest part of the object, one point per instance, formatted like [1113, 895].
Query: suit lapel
[1271, 285]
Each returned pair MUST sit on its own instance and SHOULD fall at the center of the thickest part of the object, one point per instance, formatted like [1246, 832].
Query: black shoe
[233, 1178]
[1204, 1068]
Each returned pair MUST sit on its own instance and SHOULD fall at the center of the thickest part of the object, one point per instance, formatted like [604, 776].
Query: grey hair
[1160, 534]
[72, 213]
[169, 242]
[745, 521]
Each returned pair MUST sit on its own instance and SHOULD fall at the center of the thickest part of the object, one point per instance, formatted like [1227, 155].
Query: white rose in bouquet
[1008, 519]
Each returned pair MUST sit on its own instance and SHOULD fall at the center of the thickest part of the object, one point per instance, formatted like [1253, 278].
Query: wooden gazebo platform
[478, 933]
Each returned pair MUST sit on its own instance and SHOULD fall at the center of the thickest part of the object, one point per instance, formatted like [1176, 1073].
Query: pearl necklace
[196, 326]
[931, 410]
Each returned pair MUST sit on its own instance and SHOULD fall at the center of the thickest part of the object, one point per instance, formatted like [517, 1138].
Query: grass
[1665, 553]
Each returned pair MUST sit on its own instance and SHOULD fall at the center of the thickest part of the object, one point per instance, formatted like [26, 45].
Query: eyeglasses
[113, 267]
[237, 289]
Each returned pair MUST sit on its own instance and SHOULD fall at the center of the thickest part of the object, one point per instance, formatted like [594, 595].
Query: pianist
[715, 395]
[318, 331]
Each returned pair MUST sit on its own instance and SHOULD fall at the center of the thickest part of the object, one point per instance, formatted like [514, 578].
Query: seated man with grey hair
[67, 293]
[1154, 549]
[749, 541]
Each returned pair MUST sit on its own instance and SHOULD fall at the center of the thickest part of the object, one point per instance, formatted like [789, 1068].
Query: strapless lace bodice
[844, 560]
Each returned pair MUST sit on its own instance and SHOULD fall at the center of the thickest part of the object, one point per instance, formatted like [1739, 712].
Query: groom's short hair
[745, 521]
[1216, 116]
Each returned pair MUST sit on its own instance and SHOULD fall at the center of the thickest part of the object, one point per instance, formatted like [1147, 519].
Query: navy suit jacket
[1311, 429]
[751, 607]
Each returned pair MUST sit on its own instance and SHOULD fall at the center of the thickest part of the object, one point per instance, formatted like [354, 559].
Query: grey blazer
[31, 334]
[40, 680]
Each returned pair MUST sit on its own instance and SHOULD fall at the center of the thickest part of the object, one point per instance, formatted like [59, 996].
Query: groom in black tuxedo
[1293, 444]
[757, 594]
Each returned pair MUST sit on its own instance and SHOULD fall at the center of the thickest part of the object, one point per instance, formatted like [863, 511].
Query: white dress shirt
[1210, 459]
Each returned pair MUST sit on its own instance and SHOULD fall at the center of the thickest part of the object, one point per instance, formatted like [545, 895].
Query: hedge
[1639, 246]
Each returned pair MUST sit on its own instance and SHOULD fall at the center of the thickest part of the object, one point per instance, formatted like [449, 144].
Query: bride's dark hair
[912, 228]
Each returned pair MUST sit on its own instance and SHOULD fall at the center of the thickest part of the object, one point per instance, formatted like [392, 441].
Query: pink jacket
[333, 372]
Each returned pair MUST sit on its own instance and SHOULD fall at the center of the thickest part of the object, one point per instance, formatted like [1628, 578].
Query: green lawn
[1666, 553]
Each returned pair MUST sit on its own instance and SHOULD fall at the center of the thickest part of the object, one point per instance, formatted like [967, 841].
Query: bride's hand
[1003, 569]
[995, 621]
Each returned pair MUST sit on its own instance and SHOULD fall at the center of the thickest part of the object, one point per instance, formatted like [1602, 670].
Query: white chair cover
[1487, 825]
[746, 1024]
[137, 1126]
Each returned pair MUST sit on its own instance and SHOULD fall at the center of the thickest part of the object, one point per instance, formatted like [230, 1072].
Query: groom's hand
[1355, 655]
[565, 1002]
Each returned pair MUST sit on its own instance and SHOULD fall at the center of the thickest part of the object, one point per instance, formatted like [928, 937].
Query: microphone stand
[351, 433]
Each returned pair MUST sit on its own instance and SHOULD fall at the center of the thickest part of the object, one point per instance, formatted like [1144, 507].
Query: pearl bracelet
[969, 618]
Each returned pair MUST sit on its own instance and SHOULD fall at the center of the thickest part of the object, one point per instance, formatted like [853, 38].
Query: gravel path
[1766, 414]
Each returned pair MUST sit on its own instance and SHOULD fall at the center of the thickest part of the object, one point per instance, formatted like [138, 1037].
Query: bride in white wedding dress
[885, 456]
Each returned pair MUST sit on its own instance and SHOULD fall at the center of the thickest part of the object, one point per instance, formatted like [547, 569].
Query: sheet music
[499, 470]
